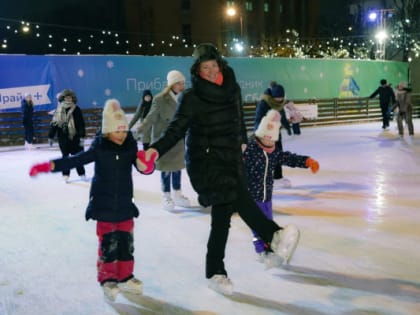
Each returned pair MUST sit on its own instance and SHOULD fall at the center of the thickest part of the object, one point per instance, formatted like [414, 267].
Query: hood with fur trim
[273, 103]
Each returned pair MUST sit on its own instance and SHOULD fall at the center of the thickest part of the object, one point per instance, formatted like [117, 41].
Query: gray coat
[403, 101]
[157, 120]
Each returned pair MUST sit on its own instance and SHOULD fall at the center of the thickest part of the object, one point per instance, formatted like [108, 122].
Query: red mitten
[312, 164]
[40, 168]
[150, 164]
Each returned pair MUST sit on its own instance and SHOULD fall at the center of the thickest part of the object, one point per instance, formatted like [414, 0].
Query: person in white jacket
[295, 117]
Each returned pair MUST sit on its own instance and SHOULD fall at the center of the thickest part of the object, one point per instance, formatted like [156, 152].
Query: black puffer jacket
[211, 117]
[111, 193]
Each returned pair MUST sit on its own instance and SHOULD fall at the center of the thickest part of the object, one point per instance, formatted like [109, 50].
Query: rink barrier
[330, 111]
[12, 132]
[338, 111]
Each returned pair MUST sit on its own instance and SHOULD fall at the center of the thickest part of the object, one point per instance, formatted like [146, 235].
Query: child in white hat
[261, 157]
[114, 152]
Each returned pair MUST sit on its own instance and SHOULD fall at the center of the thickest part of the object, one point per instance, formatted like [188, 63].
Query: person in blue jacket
[114, 151]
[261, 157]
[274, 98]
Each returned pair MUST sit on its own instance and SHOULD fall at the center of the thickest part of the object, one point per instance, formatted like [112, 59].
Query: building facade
[159, 27]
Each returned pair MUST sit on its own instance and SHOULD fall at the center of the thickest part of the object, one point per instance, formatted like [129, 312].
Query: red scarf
[219, 79]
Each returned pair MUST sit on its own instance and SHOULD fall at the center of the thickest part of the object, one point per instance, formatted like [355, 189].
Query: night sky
[84, 16]
[72, 19]
[92, 13]
[101, 13]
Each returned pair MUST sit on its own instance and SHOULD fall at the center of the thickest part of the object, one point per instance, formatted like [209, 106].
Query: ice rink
[359, 252]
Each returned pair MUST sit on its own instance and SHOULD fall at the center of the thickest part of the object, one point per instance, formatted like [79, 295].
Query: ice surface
[359, 252]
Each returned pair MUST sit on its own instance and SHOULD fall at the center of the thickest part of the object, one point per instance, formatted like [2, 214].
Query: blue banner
[97, 78]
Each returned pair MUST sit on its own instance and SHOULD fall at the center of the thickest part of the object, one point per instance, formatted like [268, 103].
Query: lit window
[266, 7]
[248, 6]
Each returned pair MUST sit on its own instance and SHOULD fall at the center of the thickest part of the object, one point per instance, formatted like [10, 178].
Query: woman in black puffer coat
[210, 114]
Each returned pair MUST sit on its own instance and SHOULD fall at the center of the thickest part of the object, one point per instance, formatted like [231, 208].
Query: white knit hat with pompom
[113, 117]
[174, 76]
[269, 126]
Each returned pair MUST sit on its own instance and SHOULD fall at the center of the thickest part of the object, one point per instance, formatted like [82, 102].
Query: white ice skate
[111, 290]
[29, 146]
[180, 200]
[284, 242]
[168, 203]
[134, 286]
[221, 284]
[83, 178]
[270, 260]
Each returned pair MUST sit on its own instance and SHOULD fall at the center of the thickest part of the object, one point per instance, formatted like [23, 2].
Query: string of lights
[25, 37]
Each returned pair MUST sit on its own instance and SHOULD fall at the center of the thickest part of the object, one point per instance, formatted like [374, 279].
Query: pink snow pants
[115, 252]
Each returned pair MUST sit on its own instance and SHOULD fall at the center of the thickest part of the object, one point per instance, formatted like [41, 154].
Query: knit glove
[150, 164]
[82, 142]
[40, 168]
[50, 142]
[312, 164]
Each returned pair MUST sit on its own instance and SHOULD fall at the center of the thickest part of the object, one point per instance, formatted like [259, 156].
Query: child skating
[261, 157]
[114, 152]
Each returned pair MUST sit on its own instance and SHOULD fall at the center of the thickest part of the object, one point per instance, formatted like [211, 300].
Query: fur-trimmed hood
[273, 103]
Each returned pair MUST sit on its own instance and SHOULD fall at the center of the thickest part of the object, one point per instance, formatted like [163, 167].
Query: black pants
[29, 131]
[278, 172]
[385, 115]
[220, 224]
[284, 122]
[71, 147]
[296, 128]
